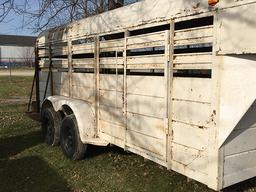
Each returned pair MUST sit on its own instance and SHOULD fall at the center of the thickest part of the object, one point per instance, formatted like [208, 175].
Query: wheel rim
[68, 140]
[48, 133]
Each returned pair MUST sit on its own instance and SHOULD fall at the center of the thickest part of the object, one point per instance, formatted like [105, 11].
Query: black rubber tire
[50, 125]
[70, 142]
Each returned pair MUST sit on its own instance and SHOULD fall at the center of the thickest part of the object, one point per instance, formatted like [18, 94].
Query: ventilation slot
[193, 47]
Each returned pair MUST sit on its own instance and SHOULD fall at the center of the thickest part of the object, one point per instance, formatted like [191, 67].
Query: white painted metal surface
[172, 92]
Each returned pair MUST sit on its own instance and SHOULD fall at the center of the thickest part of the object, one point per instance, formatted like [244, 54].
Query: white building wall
[16, 53]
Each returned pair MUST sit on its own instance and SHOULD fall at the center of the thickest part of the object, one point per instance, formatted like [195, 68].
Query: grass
[15, 87]
[27, 164]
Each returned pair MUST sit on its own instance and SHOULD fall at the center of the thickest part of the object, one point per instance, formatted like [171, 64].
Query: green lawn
[27, 164]
[15, 87]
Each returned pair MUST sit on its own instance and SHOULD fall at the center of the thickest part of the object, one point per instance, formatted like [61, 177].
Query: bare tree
[50, 13]
[5, 7]
[27, 56]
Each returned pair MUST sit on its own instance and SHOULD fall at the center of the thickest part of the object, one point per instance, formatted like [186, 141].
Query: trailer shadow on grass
[30, 174]
[248, 185]
[26, 173]
[94, 151]
[11, 146]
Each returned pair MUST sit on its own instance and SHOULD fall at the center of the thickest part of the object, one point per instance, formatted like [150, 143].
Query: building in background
[16, 51]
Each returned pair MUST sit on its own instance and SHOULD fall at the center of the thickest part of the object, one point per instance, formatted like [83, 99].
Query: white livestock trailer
[172, 81]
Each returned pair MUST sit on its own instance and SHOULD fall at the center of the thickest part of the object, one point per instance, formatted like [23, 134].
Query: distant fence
[14, 68]
[16, 64]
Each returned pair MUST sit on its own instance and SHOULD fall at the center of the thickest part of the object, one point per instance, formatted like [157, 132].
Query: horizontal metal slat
[199, 35]
[145, 59]
[146, 40]
[192, 89]
[192, 66]
[112, 45]
[194, 33]
[83, 48]
[111, 61]
[83, 63]
[193, 61]
[192, 58]
[43, 53]
[60, 51]
[201, 40]
[146, 62]
[193, 113]
[63, 63]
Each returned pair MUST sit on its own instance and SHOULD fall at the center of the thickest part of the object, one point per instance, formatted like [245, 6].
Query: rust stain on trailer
[196, 6]
[213, 117]
[201, 127]
[196, 126]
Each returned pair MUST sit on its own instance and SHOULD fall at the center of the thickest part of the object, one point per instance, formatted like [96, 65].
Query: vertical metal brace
[31, 92]
[52, 88]
[70, 67]
[167, 79]
[97, 81]
[126, 35]
[170, 93]
[37, 79]
[49, 72]
[116, 66]
[215, 154]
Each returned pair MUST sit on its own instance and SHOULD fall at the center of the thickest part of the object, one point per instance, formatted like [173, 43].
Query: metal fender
[83, 111]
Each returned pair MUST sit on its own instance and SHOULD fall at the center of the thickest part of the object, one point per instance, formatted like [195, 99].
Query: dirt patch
[14, 100]
[21, 73]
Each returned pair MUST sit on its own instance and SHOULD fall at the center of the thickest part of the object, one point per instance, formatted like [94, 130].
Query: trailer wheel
[50, 126]
[70, 141]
